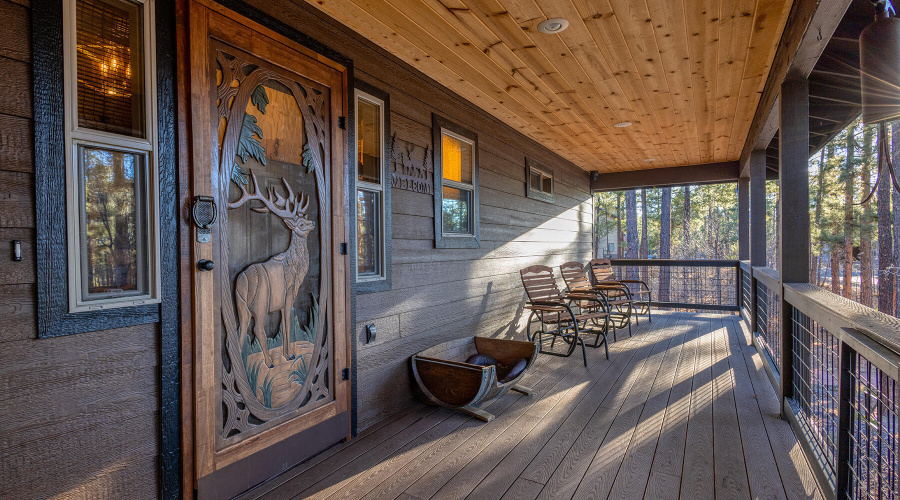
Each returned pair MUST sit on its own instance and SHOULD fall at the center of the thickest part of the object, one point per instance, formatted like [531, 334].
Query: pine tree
[886, 279]
[665, 241]
[865, 223]
[847, 176]
[631, 248]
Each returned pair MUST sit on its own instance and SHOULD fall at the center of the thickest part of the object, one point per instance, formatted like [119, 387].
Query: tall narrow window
[456, 185]
[110, 144]
[371, 190]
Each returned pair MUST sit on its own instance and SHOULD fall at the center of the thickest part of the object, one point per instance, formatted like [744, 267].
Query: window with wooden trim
[456, 185]
[110, 143]
[372, 189]
[540, 182]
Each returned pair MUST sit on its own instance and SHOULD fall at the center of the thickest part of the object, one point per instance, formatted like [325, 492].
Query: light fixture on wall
[622, 124]
[879, 65]
[553, 25]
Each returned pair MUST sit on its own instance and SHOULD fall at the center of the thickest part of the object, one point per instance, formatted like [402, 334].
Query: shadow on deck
[682, 409]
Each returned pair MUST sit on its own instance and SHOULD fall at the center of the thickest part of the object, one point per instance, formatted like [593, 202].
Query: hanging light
[879, 65]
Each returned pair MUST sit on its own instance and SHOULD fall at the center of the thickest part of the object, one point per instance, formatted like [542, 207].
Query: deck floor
[682, 409]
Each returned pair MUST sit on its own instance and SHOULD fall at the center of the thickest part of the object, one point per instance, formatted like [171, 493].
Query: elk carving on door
[273, 143]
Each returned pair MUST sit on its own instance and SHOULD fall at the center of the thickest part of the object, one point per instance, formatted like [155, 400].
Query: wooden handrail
[768, 277]
[845, 318]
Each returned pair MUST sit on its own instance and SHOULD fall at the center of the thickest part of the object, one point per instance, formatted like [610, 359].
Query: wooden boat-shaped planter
[447, 380]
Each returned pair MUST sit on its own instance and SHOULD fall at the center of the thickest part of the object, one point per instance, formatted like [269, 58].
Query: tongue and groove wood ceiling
[686, 73]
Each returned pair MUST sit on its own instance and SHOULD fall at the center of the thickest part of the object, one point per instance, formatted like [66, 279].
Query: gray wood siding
[441, 294]
[80, 413]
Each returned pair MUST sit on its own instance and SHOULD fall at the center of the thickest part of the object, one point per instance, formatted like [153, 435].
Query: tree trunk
[619, 235]
[631, 234]
[886, 279]
[644, 236]
[835, 252]
[865, 224]
[848, 216]
[820, 192]
[686, 224]
[665, 241]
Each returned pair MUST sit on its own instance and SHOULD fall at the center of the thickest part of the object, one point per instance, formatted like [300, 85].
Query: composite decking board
[669, 456]
[371, 462]
[368, 438]
[563, 391]
[408, 472]
[634, 473]
[567, 476]
[569, 458]
[662, 486]
[762, 471]
[475, 471]
[697, 477]
[646, 379]
[730, 470]
[386, 479]
[545, 463]
[795, 472]
[505, 473]
[603, 467]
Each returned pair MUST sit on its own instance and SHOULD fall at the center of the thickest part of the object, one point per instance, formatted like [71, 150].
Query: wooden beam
[706, 173]
[810, 25]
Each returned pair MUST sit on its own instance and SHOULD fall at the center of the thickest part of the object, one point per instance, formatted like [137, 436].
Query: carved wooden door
[270, 294]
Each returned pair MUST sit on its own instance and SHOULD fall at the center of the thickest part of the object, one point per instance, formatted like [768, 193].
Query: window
[111, 180]
[372, 189]
[540, 181]
[456, 185]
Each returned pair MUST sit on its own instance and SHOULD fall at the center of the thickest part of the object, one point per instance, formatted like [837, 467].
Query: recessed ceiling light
[554, 25]
[622, 124]
[650, 159]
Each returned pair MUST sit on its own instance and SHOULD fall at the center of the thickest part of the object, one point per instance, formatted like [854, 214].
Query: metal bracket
[204, 213]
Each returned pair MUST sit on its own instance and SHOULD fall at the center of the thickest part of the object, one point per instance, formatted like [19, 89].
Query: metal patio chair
[619, 306]
[635, 290]
[556, 314]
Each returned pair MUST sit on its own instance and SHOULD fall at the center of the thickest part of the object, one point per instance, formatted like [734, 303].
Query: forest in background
[855, 246]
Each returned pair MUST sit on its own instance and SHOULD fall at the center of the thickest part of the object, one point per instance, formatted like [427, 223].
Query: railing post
[793, 201]
[845, 396]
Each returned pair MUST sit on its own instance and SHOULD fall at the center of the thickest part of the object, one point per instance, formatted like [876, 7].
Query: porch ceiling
[687, 74]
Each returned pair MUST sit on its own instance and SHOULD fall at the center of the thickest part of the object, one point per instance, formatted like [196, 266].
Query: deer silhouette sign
[266, 287]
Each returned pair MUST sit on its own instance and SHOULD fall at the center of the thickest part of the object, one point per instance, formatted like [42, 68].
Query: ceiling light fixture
[622, 124]
[554, 25]
[650, 159]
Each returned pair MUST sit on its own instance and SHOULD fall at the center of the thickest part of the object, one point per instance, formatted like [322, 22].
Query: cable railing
[837, 374]
[686, 284]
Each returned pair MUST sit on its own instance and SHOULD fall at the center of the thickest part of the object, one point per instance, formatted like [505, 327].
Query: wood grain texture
[688, 76]
[591, 433]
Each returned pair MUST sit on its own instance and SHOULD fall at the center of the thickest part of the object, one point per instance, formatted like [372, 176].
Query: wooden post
[793, 176]
[845, 396]
[757, 200]
[743, 233]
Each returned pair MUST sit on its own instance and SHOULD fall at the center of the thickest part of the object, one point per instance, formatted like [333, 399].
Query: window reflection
[113, 227]
[368, 205]
[456, 204]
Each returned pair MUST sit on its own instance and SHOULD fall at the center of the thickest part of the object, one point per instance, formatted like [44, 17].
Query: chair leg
[583, 350]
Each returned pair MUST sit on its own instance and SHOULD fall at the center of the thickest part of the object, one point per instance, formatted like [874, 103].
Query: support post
[743, 193]
[793, 202]
[845, 396]
[757, 200]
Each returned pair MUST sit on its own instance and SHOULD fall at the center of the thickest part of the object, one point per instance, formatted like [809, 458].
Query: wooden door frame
[295, 40]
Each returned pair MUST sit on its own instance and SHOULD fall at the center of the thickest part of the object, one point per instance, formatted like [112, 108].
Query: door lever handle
[205, 265]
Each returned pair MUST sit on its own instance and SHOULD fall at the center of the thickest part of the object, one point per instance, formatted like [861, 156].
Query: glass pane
[113, 222]
[535, 180]
[368, 129]
[546, 185]
[110, 63]
[456, 210]
[368, 205]
[456, 159]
